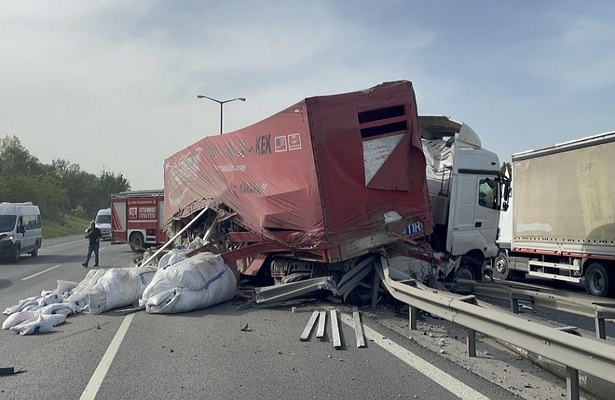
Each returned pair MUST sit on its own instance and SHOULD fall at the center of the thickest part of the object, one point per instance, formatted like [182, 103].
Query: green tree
[40, 190]
[78, 184]
[108, 183]
[16, 160]
[58, 188]
[506, 169]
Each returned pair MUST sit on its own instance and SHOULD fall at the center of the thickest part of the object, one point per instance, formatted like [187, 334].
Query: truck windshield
[103, 219]
[7, 222]
[488, 194]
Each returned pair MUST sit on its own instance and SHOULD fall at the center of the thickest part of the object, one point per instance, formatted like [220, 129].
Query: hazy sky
[112, 84]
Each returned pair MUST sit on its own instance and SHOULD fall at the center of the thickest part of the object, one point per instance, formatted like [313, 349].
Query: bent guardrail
[599, 309]
[591, 355]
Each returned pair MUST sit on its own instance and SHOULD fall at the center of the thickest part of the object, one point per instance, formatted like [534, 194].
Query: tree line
[58, 188]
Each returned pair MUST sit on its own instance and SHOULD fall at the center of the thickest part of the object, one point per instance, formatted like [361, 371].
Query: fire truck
[137, 218]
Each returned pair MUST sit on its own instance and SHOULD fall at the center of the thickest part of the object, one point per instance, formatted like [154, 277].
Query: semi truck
[137, 218]
[320, 187]
[561, 222]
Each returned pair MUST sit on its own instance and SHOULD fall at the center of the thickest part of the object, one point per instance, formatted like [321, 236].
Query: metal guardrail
[591, 355]
[599, 309]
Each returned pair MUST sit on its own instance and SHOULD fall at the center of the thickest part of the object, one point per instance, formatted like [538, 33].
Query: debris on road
[176, 284]
[10, 370]
[308, 328]
[358, 329]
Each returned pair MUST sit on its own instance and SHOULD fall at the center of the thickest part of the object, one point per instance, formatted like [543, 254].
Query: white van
[103, 222]
[21, 223]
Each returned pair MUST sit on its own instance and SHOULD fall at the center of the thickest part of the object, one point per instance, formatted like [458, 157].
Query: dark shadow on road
[4, 283]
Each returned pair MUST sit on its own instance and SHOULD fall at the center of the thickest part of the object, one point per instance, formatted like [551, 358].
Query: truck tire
[362, 294]
[598, 281]
[465, 272]
[136, 242]
[500, 266]
[34, 252]
[469, 269]
[15, 256]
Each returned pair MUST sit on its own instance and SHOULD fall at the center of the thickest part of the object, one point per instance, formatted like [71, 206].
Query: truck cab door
[474, 215]
[487, 214]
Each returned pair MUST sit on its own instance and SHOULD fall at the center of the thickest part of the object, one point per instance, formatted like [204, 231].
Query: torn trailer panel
[327, 179]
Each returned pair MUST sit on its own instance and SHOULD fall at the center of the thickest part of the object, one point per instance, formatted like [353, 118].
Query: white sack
[65, 287]
[39, 324]
[59, 308]
[21, 305]
[119, 287]
[50, 299]
[17, 318]
[167, 293]
[164, 260]
[79, 295]
[177, 256]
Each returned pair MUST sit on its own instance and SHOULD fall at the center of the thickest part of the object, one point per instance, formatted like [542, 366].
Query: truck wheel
[34, 252]
[465, 272]
[136, 242]
[500, 266]
[361, 295]
[598, 281]
[15, 257]
[469, 269]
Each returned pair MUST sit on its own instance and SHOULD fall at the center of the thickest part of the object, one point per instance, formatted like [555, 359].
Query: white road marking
[440, 377]
[103, 367]
[63, 244]
[42, 272]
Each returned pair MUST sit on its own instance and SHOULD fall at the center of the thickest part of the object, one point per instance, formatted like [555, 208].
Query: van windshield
[103, 219]
[7, 222]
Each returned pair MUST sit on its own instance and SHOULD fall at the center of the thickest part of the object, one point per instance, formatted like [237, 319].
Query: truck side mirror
[505, 206]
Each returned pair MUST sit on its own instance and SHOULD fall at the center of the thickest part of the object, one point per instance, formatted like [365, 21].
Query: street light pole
[221, 102]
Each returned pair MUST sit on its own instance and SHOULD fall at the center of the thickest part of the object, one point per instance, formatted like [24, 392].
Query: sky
[113, 85]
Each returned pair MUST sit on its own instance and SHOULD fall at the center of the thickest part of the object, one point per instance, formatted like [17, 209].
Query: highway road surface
[224, 352]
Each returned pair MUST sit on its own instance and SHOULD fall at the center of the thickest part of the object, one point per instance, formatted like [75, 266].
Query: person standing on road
[93, 234]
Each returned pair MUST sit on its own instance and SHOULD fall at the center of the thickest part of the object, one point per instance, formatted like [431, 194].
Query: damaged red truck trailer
[317, 188]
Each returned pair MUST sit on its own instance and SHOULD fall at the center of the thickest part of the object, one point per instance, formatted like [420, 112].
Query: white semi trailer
[561, 224]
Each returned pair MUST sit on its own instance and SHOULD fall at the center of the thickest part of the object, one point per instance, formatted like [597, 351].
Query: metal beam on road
[335, 328]
[358, 329]
[308, 328]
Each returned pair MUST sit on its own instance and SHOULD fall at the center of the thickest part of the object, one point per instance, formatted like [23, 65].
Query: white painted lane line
[42, 272]
[103, 367]
[63, 244]
[440, 377]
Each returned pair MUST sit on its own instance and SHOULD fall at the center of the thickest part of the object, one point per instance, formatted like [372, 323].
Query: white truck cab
[465, 188]
[21, 223]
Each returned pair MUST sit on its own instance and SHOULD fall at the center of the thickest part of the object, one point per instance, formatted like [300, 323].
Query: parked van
[103, 222]
[21, 223]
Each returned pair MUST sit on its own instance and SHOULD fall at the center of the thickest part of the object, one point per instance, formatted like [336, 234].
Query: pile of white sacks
[176, 284]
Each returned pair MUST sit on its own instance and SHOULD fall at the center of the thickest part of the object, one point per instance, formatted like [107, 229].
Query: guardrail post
[471, 341]
[514, 305]
[413, 316]
[572, 383]
[600, 327]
